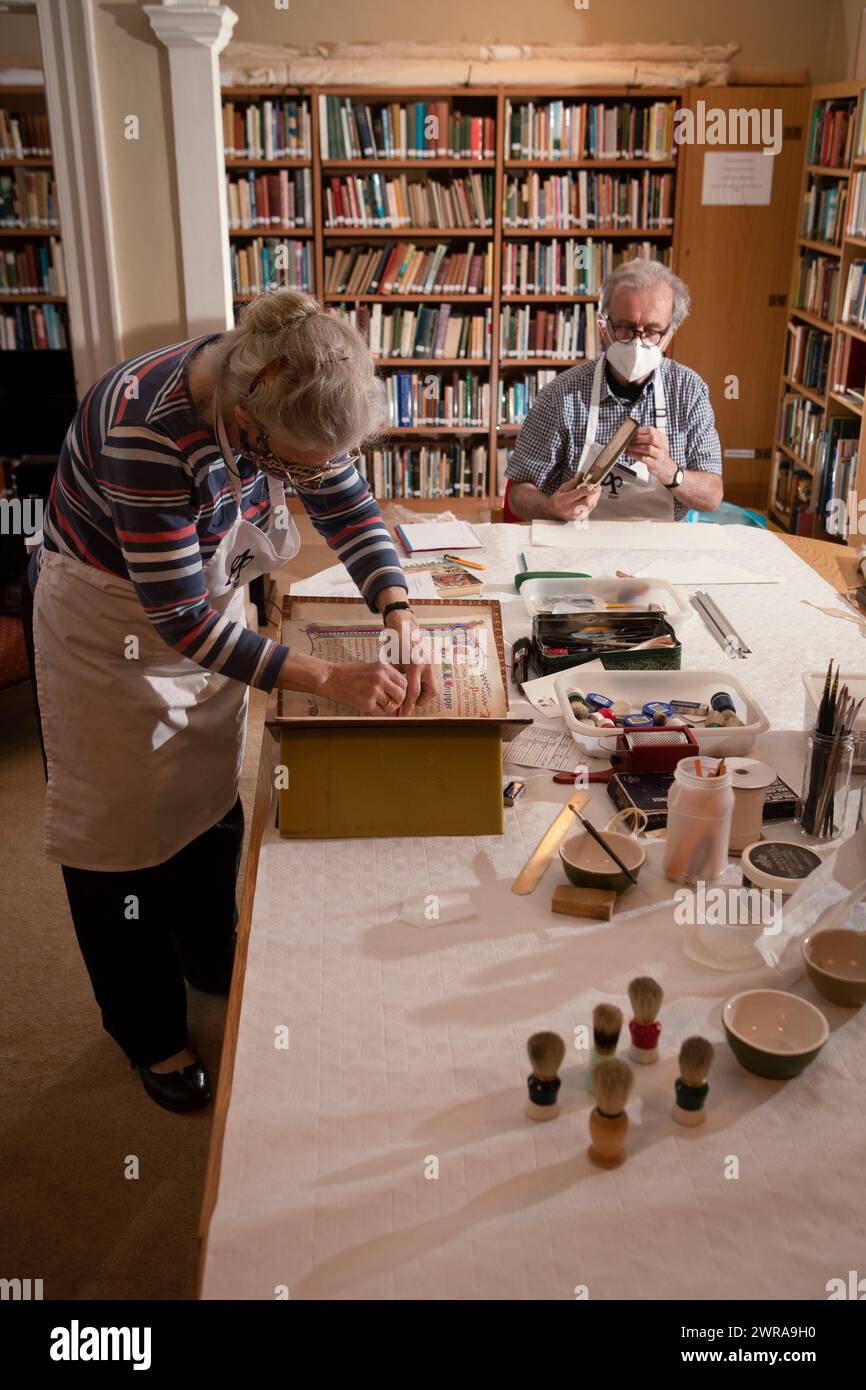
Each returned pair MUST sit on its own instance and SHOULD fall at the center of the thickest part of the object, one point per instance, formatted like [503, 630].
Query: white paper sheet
[737, 178]
[708, 570]
[541, 747]
[628, 536]
[334, 583]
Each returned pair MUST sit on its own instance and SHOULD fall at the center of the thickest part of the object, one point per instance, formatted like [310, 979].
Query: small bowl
[836, 964]
[773, 1033]
[587, 866]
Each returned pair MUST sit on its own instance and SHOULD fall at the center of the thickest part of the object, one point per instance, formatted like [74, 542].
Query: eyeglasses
[626, 333]
[304, 475]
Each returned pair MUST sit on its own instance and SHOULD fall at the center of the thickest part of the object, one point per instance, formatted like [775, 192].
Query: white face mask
[634, 360]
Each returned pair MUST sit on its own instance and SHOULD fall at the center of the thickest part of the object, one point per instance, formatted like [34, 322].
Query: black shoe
[177, 1090]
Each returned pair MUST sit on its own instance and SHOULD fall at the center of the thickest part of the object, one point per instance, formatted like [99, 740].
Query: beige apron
[626, 499]
[143, 754]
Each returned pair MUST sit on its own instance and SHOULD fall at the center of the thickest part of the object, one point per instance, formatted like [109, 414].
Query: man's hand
[573, 501]
[650, 446]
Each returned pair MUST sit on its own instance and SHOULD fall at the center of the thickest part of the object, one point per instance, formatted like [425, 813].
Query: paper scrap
[709, 571]
[335, 583]
[541, 694]
[626, 536]
[537, 747]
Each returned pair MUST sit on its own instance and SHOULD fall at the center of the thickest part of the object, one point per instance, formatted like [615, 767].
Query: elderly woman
[168, 498]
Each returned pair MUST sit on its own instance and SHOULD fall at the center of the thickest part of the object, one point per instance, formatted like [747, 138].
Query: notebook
[438, 535]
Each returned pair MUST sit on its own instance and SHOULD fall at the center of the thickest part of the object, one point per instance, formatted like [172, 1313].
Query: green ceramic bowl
[773, 1033]
[836, 964]
[587, 866]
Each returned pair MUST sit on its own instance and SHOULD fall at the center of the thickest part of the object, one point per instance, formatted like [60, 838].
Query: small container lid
[750, 772]
[780, 864]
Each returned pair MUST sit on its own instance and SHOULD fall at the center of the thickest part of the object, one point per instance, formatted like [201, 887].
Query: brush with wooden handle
[541, 857]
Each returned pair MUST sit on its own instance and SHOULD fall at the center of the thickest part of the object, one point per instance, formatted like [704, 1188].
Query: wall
[771, 33]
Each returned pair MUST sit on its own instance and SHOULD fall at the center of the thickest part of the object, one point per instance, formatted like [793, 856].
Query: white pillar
[75, 117]
[195, 35]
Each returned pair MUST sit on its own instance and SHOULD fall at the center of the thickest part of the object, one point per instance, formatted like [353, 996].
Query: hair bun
[278, 311]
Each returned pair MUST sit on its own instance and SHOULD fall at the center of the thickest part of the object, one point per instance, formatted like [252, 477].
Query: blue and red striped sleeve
[146, 481]
[346, 515]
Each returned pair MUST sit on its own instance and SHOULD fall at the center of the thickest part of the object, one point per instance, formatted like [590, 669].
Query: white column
[75, 119]
[195, 35]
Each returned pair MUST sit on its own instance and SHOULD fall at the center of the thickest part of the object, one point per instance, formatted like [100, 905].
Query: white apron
[623, 498]
[143, 755]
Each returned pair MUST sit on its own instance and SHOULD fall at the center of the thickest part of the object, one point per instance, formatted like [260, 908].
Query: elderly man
[674, 461]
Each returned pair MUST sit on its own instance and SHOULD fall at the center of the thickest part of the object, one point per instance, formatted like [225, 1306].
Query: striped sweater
[142, 491]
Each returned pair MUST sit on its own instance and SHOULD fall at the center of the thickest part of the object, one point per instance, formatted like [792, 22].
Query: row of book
[378, 201]
[284, 199]
[854, 302]
[517, 395]
[27, 326]
[801, 426]
[831, 133]
[525, 331]
[838, 471]
[35, 268]
[582, 130]
[823, 216]
[24, 133]
[432, 331]
[28, 198]
[861, 132]
[587, 199]
[440, 470]
[848, 372]
[275, 128]
[816, 285]
[792, 493]
[807, 356]
[449, 398]
[265, 263]
[856, 225]
[403, 268]
[569, 266]
[351, 129]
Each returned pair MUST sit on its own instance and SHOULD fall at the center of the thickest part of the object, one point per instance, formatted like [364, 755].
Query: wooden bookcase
[488, 101]
[36, 384]
[787, 463]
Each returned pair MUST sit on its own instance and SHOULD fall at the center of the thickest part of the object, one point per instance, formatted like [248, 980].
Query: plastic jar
[699, 822]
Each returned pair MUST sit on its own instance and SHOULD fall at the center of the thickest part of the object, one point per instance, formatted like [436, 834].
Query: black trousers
[143, 932]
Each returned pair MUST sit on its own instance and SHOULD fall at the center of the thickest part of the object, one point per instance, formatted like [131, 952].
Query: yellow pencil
[470, 564]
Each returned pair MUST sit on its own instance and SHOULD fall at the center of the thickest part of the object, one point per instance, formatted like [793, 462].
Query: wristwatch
[676, 480]
[395, 607]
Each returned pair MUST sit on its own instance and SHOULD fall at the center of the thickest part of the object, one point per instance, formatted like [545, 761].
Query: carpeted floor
[74, 1115]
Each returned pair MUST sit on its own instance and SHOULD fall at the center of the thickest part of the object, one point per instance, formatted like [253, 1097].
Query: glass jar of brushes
[823, 804]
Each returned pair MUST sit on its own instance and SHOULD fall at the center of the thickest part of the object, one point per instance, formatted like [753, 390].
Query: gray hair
[295, 366]
[643, 275]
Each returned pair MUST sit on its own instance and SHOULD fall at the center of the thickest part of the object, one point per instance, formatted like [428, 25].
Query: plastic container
[813, 686]
[544, 595]
[699, 824]
[637, 687]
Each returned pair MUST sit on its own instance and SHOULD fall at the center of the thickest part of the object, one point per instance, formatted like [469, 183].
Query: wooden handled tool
[539, 860]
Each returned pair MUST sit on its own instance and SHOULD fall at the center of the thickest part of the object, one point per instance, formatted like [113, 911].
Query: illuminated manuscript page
[462, 643]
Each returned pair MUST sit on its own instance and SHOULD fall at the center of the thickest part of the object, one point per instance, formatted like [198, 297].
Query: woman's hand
[372, 687]
[412, 659]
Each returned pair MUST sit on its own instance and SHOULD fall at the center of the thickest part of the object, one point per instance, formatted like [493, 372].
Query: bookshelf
[37, 389]
[536, 195]
[819, 446]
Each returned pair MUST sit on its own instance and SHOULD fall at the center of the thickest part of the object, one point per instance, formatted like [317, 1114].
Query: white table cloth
[385, 1154]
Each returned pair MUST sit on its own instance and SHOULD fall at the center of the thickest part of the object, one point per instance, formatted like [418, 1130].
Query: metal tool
[718, 625]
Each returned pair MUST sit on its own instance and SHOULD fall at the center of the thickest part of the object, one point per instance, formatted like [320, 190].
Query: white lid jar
[700, 806]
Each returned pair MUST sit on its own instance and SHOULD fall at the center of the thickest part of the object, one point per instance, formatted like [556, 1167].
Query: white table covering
[407, 1050]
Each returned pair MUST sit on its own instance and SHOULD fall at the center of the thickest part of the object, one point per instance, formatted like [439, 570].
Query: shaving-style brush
[608, 1123]
[606, 1028]
[546, 1052]
[646, 997]
[696, 1056]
